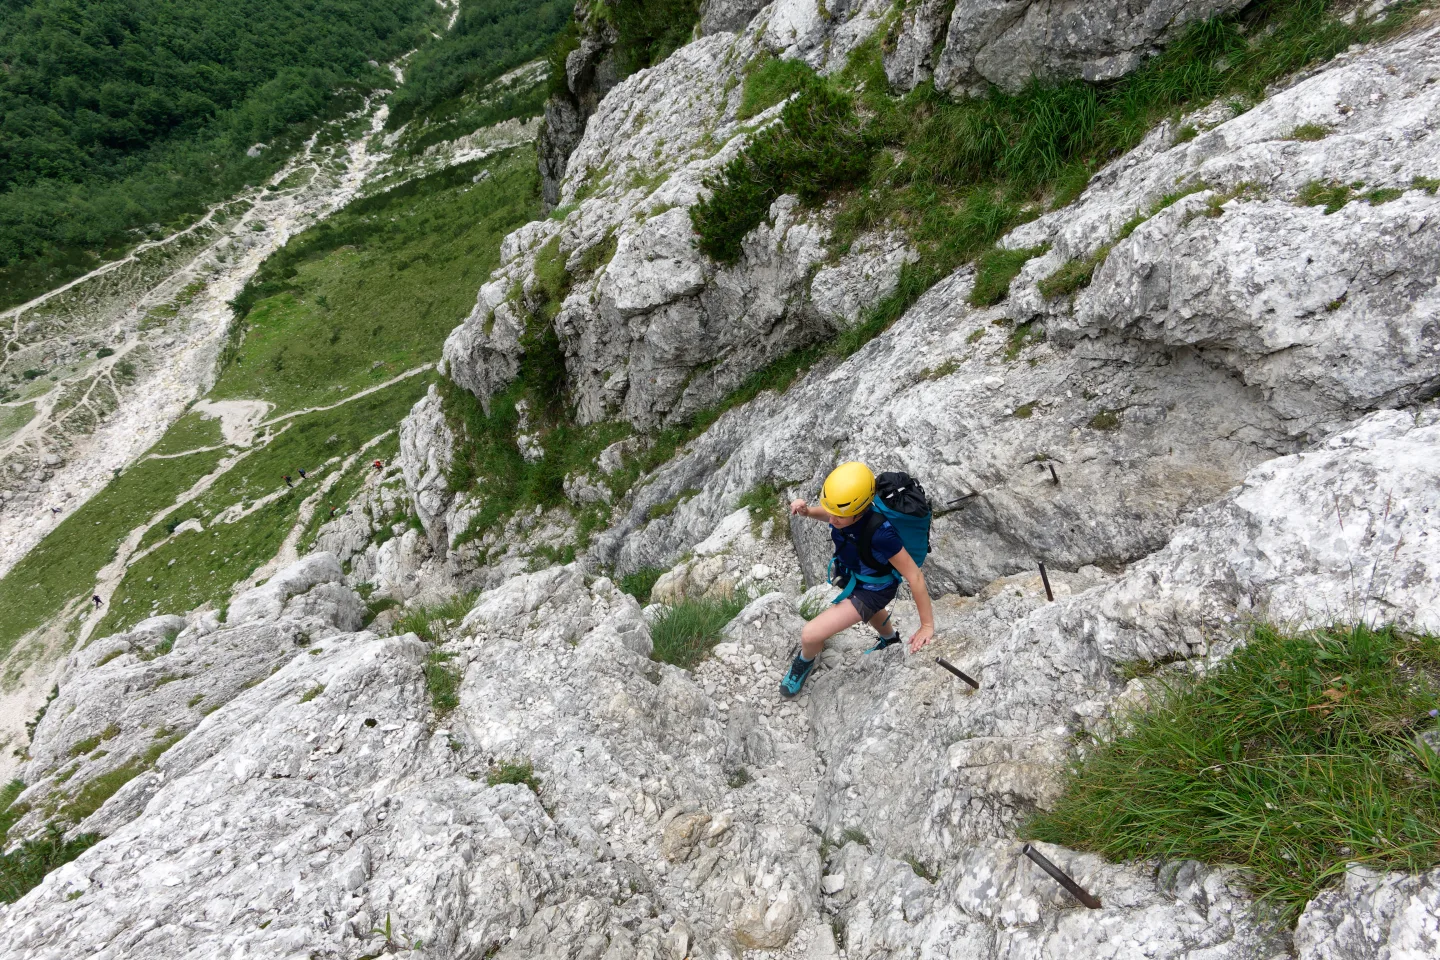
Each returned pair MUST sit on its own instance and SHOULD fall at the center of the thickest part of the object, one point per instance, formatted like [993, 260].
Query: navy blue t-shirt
[884, 545]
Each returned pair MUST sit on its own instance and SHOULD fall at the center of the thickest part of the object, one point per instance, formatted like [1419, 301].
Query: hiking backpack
[900, 499]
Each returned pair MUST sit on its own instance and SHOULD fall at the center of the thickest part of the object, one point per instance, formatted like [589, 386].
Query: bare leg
[880, 622]
[825, 626]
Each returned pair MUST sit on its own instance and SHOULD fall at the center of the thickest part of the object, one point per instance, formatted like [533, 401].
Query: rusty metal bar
[968, 496]
[957, 671]
[1060, 877]
[1045, 579]
[1053, 475]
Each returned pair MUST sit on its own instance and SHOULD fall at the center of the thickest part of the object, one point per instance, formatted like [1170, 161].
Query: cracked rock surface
[695, 813]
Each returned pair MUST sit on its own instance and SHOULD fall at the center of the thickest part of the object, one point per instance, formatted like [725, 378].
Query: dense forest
[489, 38]
[118, 114]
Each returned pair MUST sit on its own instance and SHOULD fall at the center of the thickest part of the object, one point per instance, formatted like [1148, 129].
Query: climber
[302, 474]
[846, 503]
[97, 600]
[287, 481]
[379, 465]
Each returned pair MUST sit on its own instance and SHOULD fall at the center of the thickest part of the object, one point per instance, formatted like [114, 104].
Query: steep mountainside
[1143, 292]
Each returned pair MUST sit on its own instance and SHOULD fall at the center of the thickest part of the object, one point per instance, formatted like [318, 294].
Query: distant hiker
[302, 474]
[332, 513]
[54, 509]
[287, 481]
[880, 542]
[98, 601]
[379, 465]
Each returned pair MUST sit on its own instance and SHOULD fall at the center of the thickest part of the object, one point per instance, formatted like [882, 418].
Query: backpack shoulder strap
[866, 541]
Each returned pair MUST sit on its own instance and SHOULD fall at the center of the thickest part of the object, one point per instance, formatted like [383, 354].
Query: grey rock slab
[1009, 42]
[1373, 915]
[122, 704]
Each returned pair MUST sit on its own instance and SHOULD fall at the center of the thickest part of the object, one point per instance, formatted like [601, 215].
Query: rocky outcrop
[652, 330]
[426, 445]
[1009, 42]
[729, 16]
[693, 813]
[126, 700]
[590, 73]
[1233, 325]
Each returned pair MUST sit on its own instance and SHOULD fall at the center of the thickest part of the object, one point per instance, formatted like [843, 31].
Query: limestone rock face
[1373, 916]
[426, 445]
[127, 699]
[1008, 42]
[590, 72]
[1231, 326]
[727, 15]
[652, 330]
[685, 810]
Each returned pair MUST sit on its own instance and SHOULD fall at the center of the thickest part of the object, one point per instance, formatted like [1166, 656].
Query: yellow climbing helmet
[848, 490]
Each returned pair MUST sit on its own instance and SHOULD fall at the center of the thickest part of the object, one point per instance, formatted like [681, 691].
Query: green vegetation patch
[22, 869]
[766, 501]
[1294, 757]
[684, 633]
[488, 459]
[63, 565]
[649, 30]
[489, 38]
[1310, 132]
[428, 622]
[770, 80]
[639, 583]
[13, 418]
[956, 175]
[518, 772]
[198, 567]
[191, 432]
[375, 289]
[125, 116]
[1329, 194]
[443, 682]
[995, 270]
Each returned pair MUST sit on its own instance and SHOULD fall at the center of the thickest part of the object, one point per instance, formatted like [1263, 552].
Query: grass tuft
[684, 633]
[995, 270]
[766, 502]
[641, 582]
[518, 772]
[1294, 757]
[1310, 132]
[22, 869]
[443, 682]
[769, 81]
[1330, 195]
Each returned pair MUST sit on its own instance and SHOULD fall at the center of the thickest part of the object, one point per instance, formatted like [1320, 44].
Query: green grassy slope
[192, 568]
[374, 290]
[64, 564]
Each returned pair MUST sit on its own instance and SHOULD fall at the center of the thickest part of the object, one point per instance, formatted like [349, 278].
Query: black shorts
[869, 602]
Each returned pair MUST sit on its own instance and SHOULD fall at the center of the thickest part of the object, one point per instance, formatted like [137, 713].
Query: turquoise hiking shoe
[883, 643]
[795, 677]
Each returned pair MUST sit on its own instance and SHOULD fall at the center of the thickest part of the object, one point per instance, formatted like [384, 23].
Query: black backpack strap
[866, 541]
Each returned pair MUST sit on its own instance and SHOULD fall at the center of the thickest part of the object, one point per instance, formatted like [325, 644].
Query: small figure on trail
[302, 474]
[879, 543]
[54, 509]
[287, 481]
[98, 601]
[379, 465]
